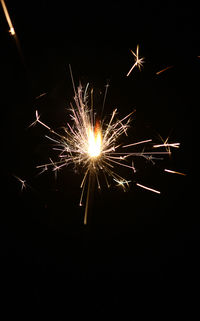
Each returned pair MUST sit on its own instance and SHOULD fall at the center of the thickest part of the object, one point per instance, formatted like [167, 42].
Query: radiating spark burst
[40, 96]
[93, 145]
[138, 61]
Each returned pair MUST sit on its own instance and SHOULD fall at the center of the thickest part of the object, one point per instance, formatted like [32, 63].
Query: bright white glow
[94, 143]
[12, 31]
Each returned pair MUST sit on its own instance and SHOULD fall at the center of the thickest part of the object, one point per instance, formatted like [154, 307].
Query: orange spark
[161, 71]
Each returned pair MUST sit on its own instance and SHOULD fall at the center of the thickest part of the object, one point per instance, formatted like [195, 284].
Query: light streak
[39, 121]
[11, 30]
[138, 61]
[167, 145]
[175, 145]
[40, 96]
[163, 70]
[174, 172]
[148, 188]
[138, 143]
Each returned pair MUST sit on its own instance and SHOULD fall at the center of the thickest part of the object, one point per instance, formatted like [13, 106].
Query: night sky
[138, 256]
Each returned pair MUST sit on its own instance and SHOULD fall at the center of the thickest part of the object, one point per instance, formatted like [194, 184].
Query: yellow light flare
[11, 30]
[94, 142]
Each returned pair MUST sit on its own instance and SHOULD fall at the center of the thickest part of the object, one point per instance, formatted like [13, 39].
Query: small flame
[94, 141]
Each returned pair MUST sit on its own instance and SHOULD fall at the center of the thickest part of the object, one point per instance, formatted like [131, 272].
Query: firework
[94, 146]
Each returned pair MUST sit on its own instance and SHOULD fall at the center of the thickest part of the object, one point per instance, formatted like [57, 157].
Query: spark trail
[11, 30]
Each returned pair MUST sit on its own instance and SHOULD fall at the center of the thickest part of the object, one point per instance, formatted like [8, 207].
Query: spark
[161, 71]
[37, 120]
[148, 188]
[138, 61]
[138, 143]
[122, 183]
[174, 172]
[93, 146]
[104, 99]
[175, 145]
[167, 145]
[44, 169]
[23, 182]
[11, 30]
[40, 96]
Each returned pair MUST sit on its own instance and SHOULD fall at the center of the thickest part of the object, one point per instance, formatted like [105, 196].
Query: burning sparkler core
[94, 142]
[95, 148]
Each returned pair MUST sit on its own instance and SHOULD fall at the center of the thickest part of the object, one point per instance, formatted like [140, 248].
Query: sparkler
[93, 145]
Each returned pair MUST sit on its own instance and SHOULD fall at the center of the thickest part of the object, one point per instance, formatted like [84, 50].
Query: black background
[139, 254]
